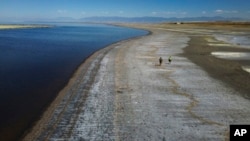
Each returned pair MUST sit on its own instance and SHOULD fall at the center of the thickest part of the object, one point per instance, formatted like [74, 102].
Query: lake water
[36, 63]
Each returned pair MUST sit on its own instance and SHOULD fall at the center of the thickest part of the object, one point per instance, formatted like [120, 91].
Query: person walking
[160, 61]
[170, 59]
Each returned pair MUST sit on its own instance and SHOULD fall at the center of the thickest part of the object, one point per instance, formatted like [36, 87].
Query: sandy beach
[122, 93]
[16, 26]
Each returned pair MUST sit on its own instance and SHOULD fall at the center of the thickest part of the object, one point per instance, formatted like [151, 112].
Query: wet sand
[122, 93]
[228, 71]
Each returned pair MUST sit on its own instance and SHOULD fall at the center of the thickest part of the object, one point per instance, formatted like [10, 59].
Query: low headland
[17, 26]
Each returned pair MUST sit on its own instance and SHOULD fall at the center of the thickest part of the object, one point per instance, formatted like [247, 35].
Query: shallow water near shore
[232, 55]
[36, 63]
[240, 39]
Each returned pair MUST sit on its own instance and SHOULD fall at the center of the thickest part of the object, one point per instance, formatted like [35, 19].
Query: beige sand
[21, 26]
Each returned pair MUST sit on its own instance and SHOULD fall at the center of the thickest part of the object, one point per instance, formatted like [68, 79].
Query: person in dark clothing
[160, 61]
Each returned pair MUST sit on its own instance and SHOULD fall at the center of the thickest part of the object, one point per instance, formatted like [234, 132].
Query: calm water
[36, 63]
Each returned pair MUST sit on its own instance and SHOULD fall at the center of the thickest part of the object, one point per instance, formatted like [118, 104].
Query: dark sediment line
[228, 71]
[69, 91]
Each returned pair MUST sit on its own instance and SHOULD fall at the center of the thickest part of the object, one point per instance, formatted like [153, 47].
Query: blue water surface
[36, 63]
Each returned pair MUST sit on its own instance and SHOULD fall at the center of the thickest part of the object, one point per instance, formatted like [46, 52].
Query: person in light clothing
[170, 59]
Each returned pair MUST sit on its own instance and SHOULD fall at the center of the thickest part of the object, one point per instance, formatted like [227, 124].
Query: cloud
[105, 12]
[204, 12]
[154, 13]
[219, 11]
[121, 12]
[163, 13]
[169, 13]
[183, 13]
[61, 11]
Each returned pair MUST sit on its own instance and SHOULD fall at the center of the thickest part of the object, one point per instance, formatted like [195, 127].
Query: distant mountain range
[133, 19]
[157, 19]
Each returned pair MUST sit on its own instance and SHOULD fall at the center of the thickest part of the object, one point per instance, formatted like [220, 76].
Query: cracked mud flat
[121, 93]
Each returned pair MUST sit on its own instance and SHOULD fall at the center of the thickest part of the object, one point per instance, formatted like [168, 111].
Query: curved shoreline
[81, 70]
[121, 93]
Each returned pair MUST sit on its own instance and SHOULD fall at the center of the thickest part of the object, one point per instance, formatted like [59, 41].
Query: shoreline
[32, 133]
[130, 60]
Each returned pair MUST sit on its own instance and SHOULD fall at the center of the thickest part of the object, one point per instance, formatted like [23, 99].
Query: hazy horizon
[75, 9]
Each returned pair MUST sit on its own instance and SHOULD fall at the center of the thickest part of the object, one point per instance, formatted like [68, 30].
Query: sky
[49, 9]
